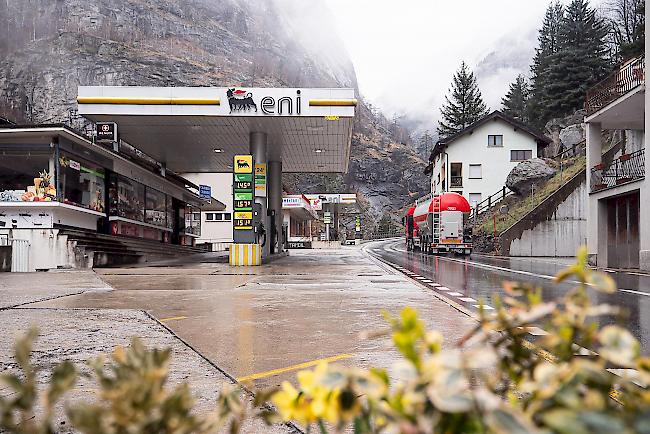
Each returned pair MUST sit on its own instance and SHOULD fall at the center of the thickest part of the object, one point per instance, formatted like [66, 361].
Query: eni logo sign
[241, 100]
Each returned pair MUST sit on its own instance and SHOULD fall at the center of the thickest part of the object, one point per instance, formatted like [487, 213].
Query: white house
[476, 161]
[216, 225]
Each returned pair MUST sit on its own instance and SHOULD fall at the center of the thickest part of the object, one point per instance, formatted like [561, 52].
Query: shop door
[623, 231]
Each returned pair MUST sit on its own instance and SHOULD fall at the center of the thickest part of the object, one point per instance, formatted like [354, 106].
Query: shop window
[24, 176]
[192, 221]
[155, 207]
[521, 155]
[127, 198]
[495, 141]
[82, 182]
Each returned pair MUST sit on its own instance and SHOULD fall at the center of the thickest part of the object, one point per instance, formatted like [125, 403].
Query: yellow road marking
[173, 318]
[293, 368]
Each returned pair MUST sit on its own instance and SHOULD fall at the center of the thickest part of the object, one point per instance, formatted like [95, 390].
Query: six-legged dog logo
[243, 164]
[240, 100]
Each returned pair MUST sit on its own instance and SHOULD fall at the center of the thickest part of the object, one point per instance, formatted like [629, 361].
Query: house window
[218, 217]
[521, 155]
[475, 171]
[456, 175]
[495, 141]
[474, 199]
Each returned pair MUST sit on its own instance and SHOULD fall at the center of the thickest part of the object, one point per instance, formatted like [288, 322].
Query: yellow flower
[325, 404]
[292, 405]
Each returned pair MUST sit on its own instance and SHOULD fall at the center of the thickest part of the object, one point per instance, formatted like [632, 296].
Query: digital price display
[243, 190]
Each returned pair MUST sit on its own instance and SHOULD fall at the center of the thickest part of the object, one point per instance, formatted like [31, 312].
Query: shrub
[492, 381]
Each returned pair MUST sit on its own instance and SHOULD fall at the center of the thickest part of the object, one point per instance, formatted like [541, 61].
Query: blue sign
[205, 191]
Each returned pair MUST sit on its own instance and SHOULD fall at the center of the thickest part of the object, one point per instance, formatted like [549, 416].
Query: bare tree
[627, 24]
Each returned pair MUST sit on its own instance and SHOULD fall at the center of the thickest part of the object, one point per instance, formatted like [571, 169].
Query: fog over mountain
[405, 53]
[48, 48]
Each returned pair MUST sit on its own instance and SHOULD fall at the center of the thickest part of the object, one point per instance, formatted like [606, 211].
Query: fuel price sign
[243, 191]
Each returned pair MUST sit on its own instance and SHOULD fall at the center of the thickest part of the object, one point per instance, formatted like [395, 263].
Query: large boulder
[572, 135]
[528, 173]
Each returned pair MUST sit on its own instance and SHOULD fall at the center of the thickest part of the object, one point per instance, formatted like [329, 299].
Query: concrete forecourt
[257, 324]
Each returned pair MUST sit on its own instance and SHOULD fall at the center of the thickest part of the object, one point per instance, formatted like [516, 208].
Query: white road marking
[444, 288]
[427, 281]
[454, 294]
[420, 278]
[629, 374]
[536, 331]
[468, 300]
[485, 306]
[528, 273]
[631, 291]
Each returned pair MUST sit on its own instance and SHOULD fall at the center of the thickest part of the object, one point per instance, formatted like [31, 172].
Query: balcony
[456, 181]
[626, 78]
[626, 168]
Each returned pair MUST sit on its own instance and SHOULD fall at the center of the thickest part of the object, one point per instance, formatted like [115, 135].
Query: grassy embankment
[520, 206]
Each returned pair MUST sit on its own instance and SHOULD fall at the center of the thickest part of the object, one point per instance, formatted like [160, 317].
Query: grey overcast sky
[406, 52]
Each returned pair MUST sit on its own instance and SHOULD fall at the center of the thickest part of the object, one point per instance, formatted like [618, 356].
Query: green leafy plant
[494, 380]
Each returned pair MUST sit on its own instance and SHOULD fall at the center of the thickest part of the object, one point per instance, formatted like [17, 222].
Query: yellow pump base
[245, 254]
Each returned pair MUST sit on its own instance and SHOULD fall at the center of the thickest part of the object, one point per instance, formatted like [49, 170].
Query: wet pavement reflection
[259, 321]
[481, 277]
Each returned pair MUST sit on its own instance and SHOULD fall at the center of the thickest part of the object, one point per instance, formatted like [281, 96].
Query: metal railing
[380, 235]
[489, 202]
[626, 168]
[456, 181]
[628, 76]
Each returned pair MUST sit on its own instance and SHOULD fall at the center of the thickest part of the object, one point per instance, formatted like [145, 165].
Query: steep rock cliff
[49, 47]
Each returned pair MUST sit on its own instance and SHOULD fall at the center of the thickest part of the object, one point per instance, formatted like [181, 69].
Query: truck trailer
[435, 224]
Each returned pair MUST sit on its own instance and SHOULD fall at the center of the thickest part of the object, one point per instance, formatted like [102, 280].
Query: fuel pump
[258, 225]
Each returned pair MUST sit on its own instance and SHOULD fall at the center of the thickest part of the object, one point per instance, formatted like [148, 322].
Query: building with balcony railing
[618, 227]
[476, 161]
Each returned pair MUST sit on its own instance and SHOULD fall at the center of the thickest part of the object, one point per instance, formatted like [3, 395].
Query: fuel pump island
[254, 133]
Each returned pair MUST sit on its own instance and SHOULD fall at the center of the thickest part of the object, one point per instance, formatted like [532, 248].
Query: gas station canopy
[200, 129]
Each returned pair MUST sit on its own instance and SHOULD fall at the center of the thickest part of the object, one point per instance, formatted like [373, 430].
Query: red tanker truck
[435, 225]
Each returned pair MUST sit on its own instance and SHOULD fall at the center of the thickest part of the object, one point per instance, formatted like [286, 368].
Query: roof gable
[539, 137]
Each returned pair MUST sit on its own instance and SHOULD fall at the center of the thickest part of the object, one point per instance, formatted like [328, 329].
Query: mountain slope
[49, 47]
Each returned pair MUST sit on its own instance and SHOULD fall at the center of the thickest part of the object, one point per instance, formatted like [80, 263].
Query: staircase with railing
[489, 202]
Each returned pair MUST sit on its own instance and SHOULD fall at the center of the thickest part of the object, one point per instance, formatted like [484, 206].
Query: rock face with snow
[528, 173]
[48, 48]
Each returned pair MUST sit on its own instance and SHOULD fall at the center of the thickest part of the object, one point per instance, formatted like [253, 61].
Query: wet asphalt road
[467, 280]
[263, 324]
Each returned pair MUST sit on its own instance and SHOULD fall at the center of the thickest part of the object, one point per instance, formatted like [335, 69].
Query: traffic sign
[205, 192]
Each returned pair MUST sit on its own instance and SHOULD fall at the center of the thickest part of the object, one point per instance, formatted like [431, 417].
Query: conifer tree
[515, 103]
[579, 63]
[548, 46]
[463, 105]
